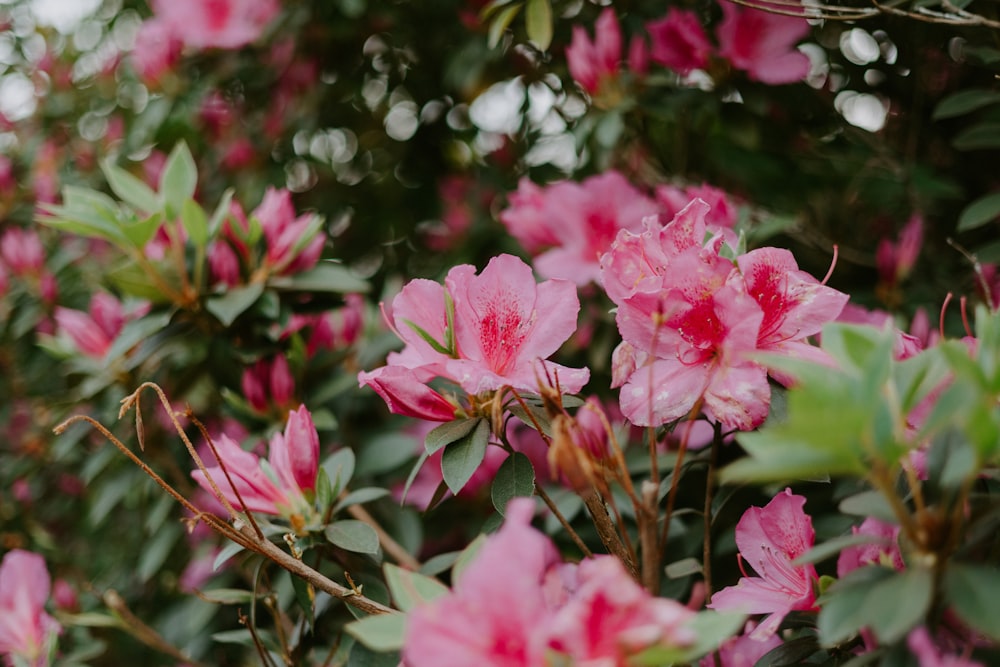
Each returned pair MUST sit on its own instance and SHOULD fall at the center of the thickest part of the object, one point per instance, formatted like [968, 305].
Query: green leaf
[130, 189]
[965, 101]
[361, 496]
[227, 596]
[462, 457]
[869, 504]
[500, 23]
[179, 179]
[421, 460]
[684, 568]
[514, 479]
[448, 433]
[305, 597]
[220, 214]
[135, 332]
[324, 277]
[235, 302]
[156, 550]
[339, 467]
[974, 593]
[383, 632]
[888, 602]
[410, 589]
[132, 280]
[978, 137]
[356, 536]
[140, 232]
[710, 629]
[538, 23]
[195, 223]
[978, 213]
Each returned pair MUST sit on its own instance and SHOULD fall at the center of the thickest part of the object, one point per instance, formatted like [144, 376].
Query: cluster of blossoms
[292, 244]
[759, 43]
[92, 332]
[480, 333]
[691, 319]
[22, 255]
[518, 604]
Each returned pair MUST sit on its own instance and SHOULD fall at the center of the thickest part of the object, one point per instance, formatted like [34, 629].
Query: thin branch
[609, 534]
[391, 547]
[147, 635]
[563, 522]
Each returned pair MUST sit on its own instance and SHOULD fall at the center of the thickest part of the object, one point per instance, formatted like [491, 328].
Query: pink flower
[267, 383]
[93, 333]
[770, 538]
[497, 607]
[225, 24]
[517, 605]
[577, 222]
[293, 244]
[405, 393]
[293, 463]
[22, 252]
[723, 210]
[157, 49]
[762, 44]
[506, 325]
[742, 650]
[679, 42]
[591, 63]
[26, 631]
[884, 552]
[896, 260]
[928, 654]
[609, 618]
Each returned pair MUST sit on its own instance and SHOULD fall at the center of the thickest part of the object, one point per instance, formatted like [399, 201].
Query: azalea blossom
[290, 474]
[591, 63]
[157, 49]
[293, 244]
[568, 226]
[225, 24]
[895, 259]
[267, 383]
[679, 42]
[762, 44]
[27, 632]
[518, 605]
[884, 552]
[769, 539]
[93, 332]
[481, 332]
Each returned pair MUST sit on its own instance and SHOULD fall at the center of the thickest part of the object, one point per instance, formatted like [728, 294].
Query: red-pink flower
[742, 650]
[884, 551]
[93, 332]
[157, 49]
[762, 44]
[267, 383]
[293, 244]
[26, 631]
[226, 24]
[579, 221]
[895, 260]
[592, 62]
[770, 538]
[22, 252]
[920, 642]
[405, 393]
[281, 489]
[679, 42]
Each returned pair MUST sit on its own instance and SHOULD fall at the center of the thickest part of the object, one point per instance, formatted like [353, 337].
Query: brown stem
[391, 547]
[609, 534]
[674, 481]
[147, 635]
[706, 554]
[648, 537]
[562, 520]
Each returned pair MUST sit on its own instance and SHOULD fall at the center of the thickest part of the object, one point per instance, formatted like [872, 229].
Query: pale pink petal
[663, 391]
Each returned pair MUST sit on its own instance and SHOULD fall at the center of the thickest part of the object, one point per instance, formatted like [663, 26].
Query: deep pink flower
[157, 49]
[405, 393]
[895, 260]
[679, 42]
[497, 608]
[884, 552]
[770, 538]
[762, 44]
[592, 62]
[742, 650]
[94, 332]
[723, 210]
[293, 244]
[568, 226]
[268, 383]
[929, 654]
[293, 459]
[22, 251]
[26, 631]
[226, 24]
